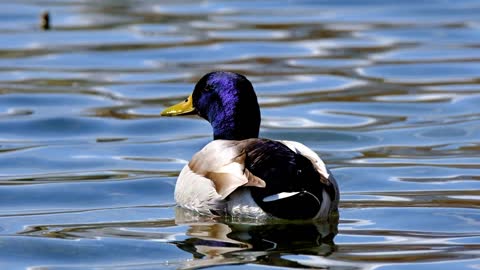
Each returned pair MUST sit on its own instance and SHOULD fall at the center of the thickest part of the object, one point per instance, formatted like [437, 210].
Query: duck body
[241, 175]
[257, 178]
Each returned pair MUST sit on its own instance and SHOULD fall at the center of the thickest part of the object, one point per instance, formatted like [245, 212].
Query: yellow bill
[184, 107]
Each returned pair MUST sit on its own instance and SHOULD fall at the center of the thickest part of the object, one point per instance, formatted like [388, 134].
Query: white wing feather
[195, 192]
[213, 173]
[307, 152]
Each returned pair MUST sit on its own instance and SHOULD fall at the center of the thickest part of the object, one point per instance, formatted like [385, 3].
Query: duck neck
[235, 130]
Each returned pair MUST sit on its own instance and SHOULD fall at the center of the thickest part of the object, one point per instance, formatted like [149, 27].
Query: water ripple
[386, 93]
[431, 73]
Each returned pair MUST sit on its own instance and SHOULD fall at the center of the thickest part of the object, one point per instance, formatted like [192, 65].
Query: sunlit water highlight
[387, 92]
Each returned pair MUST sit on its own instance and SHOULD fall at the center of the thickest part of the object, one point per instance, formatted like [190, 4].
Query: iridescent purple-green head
[226, 100]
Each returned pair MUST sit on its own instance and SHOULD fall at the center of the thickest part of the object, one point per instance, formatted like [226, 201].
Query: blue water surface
[386, 92]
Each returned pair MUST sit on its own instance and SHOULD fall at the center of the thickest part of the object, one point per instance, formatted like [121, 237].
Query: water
[387, 92]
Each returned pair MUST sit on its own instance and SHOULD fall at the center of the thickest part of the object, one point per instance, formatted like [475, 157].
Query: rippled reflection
[243, 241]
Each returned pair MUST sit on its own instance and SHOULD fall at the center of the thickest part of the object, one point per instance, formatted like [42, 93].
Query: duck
[241, 175]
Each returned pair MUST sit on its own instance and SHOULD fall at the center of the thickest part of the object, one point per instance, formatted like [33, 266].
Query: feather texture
[217, 177]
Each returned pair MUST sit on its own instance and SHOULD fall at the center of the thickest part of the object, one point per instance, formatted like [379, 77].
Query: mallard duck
[241, 175]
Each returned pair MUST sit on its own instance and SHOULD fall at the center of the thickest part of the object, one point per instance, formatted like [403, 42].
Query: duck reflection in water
[217, 241]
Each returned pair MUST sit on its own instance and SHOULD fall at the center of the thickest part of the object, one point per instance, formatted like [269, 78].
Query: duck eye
[208, 88]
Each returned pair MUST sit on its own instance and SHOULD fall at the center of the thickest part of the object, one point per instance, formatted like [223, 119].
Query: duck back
[295, 189]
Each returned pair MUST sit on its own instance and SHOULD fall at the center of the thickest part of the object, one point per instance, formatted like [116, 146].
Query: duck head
[226, 100]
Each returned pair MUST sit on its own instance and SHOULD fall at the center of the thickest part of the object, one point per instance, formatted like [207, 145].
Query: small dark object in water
[45, 20]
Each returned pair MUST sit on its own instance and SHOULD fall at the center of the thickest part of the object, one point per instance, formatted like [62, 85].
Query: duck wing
[298, 185]
[213, 174]
[326, 177]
